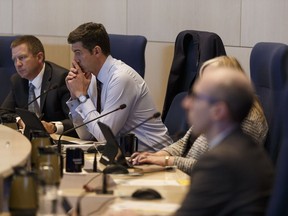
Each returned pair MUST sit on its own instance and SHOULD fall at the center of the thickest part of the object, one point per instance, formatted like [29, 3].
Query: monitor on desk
[112, 152]
[32, 122]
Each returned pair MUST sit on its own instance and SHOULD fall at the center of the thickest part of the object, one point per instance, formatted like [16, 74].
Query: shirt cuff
[59, 127]
[85, 108]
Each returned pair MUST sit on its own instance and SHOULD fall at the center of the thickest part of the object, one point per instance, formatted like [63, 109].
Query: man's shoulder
[15, 78]
[55, 67]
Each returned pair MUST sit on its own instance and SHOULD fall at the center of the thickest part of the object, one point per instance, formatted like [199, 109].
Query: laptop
[112, 152]
[32, 122]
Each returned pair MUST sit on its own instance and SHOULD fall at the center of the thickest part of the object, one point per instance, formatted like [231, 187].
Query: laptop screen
[32, 122]
[112, 152]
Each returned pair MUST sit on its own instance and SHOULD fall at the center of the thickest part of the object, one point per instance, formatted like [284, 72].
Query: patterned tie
[33, 107]
[99, 90]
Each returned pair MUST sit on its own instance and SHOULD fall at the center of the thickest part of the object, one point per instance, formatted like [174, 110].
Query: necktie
[99, 89]
[33, 107]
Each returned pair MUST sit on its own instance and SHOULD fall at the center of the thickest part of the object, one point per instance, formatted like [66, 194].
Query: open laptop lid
[32, 122]
[112, 152]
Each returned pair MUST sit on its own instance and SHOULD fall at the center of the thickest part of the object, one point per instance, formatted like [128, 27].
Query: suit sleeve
[210, 182]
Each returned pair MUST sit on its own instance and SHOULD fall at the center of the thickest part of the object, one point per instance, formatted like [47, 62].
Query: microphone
[44, 92]
[155, 115]
[122, 106]
[109, 153]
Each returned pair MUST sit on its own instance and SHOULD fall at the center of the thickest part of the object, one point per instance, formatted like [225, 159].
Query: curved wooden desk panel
[14, 150]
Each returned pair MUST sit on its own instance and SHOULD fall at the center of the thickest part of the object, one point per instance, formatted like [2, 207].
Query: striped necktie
[33, 107]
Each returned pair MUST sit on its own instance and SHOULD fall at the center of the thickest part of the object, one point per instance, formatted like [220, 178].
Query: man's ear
[40, 56]
[220, 111]
[97, 50]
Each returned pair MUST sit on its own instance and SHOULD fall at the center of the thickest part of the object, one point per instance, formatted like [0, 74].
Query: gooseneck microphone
[41, 95]
[154, 116]
[122, 106]
[110, 151]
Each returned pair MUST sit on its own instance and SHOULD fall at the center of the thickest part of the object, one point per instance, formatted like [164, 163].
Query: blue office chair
[192, 48]
[176, 120]
[5, 51]
[6, 65]
[269, 73]
[278, 201]
[129, 49]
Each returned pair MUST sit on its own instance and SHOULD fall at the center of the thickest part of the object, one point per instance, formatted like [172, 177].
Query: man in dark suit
[32, 69]
[235, 176]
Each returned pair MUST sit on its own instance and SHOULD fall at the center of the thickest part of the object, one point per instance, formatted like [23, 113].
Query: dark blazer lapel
[23, 92]
[46, 84]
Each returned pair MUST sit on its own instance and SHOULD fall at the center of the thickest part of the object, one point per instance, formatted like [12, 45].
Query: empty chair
[129, 49]
[278, 201]
[192, 48]
[269, 73]
[176, 121]
[6, 65]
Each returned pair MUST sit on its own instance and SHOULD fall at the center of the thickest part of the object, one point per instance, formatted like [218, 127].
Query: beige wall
[240, 24]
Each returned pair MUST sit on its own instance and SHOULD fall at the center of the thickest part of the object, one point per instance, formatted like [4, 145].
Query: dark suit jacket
[53, 104]
[233, 178]
[192, 48]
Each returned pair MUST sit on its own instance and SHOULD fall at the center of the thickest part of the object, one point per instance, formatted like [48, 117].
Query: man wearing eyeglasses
[235, 176]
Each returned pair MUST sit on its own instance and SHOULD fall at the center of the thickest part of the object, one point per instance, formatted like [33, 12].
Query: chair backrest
[129, 49]
[192, 48]
[278, 201]
[7, 68]
[5, 51]
[269, 74]
[176, 120]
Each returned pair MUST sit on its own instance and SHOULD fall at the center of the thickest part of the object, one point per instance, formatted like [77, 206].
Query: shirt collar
[102, 75]
[37, 81]
[221, 136]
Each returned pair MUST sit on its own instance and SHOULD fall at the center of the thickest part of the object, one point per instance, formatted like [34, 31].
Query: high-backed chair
[129, 49]
[176, 121]
[192, 48]
[278, 201]
[6, 65]
[269, 73]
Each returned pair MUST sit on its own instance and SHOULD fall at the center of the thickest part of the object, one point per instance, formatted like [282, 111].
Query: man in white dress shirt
[93, 68]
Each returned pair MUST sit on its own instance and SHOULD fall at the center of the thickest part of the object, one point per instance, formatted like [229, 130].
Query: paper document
[141, 207]
[146, 182]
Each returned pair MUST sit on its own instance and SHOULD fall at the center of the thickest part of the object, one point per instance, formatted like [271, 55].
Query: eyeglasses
[207, 98]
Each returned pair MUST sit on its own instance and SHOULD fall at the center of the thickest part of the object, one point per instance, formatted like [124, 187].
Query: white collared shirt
[120, 85]
[37, 82]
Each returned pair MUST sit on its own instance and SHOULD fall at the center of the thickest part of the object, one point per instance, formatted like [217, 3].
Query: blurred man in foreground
[235, 176]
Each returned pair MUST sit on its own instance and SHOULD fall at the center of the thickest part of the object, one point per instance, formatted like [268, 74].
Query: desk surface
[14, 150]
[172, 185]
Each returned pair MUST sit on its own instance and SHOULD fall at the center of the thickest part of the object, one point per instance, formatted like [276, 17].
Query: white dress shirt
[120, 85]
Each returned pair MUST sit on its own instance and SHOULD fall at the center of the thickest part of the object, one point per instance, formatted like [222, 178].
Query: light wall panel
[59, 18]
[6, 16]
[57, 50]
[158, 63]
[243, 56]
[162, 20]
[264, 20]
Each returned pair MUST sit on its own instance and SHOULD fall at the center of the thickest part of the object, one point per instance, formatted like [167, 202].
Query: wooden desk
[14, 151]
[172, 185]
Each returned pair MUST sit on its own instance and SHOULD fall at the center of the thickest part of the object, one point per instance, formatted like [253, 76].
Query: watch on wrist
[166, 160]
[82, 98]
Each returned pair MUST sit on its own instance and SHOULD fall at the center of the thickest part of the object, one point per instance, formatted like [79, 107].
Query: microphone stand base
[99, 191]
